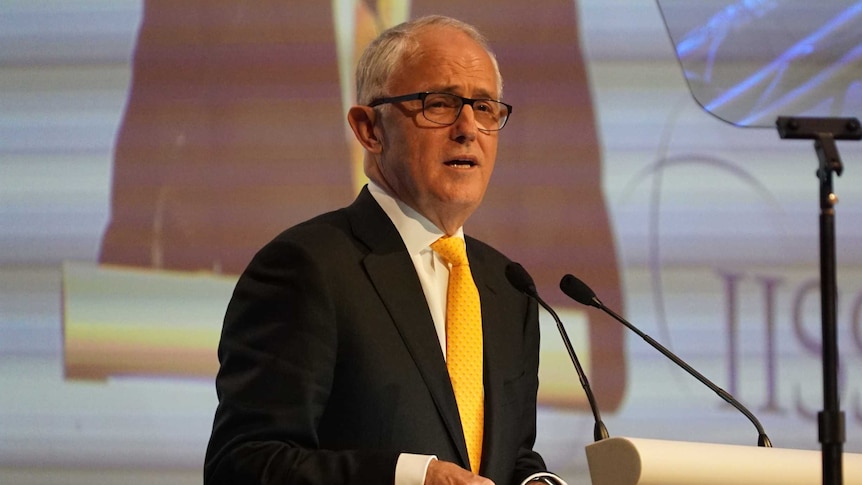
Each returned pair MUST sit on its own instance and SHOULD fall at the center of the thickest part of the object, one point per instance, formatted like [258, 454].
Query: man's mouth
[461, 163]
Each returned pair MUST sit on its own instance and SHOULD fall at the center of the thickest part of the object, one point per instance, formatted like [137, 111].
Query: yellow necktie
[464, 344]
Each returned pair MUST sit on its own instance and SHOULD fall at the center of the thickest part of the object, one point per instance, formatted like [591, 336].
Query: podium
[639, 461]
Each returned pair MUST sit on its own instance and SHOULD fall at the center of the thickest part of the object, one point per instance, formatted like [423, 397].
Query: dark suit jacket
[331, 367]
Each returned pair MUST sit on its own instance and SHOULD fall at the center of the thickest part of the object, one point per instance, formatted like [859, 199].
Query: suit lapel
[394, 277]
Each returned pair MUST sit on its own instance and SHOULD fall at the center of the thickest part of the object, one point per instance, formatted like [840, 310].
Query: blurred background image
[149, 148]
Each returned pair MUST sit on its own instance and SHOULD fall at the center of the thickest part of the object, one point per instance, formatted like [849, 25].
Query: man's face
[440, 171]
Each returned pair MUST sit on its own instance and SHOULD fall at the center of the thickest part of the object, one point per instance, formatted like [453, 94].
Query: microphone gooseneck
[523, 282]
[581, 293]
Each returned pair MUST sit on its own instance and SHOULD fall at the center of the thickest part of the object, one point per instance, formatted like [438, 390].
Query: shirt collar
[416, 230]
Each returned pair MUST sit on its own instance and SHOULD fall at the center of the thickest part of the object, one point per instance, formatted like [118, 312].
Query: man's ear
[362, 122]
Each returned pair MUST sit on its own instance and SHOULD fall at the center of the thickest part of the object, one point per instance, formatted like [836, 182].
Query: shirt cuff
[546, 477]
[411, 468]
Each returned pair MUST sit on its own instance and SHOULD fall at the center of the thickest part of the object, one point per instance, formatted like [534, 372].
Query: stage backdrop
[148, 148]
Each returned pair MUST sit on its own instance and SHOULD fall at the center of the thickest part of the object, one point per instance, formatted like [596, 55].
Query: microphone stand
[824, 132]
[523, 282]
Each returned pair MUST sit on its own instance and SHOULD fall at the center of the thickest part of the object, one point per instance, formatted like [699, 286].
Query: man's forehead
[447, 60]
[443, 38]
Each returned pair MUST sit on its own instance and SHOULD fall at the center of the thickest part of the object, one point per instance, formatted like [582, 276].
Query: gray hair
[386, 52]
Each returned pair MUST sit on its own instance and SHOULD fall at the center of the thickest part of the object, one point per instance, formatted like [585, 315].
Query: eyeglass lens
[445, 108]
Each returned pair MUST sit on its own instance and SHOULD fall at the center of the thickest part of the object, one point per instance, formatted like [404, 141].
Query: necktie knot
[452, 249]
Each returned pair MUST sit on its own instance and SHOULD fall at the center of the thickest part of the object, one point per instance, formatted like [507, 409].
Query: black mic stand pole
[824, 132]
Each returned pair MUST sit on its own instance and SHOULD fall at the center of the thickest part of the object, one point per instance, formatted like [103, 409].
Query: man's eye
[483, 106]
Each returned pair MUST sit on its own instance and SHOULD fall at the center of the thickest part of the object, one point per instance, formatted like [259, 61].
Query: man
[336, 343]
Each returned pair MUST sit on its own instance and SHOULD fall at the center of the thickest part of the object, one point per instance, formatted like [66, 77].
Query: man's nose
[465, 125]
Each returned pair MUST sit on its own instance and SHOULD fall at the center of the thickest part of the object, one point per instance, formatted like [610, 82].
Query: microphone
[581, 293]
[521, 280]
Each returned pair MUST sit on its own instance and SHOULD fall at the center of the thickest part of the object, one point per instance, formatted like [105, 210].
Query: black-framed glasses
[445, 108]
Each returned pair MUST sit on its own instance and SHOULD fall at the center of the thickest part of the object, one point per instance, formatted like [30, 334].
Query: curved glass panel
[749, 61]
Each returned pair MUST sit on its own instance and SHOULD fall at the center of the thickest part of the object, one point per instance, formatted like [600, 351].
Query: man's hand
[446, 473]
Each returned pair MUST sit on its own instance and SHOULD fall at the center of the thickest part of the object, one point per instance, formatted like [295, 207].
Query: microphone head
[579, 291]
[520, 279]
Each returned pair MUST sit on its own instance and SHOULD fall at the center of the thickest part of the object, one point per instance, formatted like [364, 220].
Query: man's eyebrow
[480, 94]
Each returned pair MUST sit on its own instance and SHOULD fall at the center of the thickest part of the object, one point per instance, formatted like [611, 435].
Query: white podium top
[637, 461]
